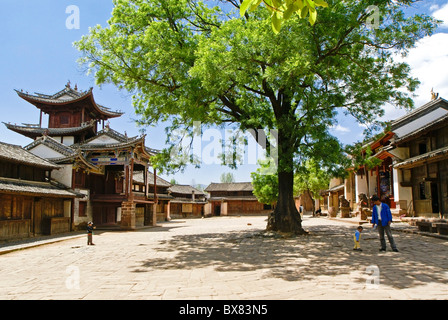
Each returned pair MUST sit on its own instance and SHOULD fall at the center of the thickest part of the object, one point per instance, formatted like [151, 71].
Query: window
[64, 119]
[79, 179]
[422, 148]
[82, 209]
[422, 191]
[118, 185]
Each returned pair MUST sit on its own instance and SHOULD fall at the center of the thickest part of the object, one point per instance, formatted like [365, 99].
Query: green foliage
[265, 186]
[227, 177]
[311, 178]
[185, 61]
[282, 10]
[361, 156]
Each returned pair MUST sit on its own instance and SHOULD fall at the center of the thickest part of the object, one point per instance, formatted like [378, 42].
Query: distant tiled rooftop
[14, 153]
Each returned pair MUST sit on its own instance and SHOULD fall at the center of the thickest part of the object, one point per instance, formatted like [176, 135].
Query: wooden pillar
[154, 207]
[131, 180]
[146, 180]
[126, 180]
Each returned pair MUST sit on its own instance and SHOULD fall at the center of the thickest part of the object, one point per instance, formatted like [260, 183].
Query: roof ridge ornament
[434, 95]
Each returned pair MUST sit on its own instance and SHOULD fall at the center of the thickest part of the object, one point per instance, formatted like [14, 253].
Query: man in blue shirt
[382, 217]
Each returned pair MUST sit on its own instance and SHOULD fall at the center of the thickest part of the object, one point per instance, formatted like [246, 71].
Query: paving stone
[226, 258]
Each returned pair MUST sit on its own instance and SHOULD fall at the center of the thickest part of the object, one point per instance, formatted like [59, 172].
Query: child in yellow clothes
[357, 238]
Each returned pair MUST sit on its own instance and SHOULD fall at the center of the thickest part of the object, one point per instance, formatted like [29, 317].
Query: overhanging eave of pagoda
[79, 162]
[33, 131]
[118, 154]
[76, 101]
[128, 145]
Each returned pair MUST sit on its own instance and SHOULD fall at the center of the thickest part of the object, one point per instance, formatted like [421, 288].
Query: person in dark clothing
[90, 228]
[382, 217]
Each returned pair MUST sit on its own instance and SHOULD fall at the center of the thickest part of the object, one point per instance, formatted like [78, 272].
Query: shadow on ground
[326, 251]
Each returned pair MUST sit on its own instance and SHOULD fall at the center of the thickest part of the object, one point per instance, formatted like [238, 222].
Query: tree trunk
[312, 202]
[285, 217]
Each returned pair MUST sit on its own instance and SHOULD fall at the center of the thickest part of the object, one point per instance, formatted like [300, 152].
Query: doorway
[104, 215]
[435, 197]
[217, 210]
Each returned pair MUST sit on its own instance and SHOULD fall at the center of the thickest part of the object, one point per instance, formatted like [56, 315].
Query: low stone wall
[439, 226]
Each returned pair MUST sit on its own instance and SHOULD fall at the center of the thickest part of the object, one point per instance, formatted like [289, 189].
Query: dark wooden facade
[30, 204]
[422, 139]
[158, 190]
[188, 201]
[380, 179]
[234, 199]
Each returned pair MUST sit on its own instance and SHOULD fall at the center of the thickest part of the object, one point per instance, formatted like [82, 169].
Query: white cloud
[434, 7]
[441, 14]
[340, 129]
[391, 112]
[429, 62]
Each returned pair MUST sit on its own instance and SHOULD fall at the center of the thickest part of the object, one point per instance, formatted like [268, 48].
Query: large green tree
[185, 61]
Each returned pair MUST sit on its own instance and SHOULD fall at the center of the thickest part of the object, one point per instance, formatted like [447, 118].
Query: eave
[85, 99]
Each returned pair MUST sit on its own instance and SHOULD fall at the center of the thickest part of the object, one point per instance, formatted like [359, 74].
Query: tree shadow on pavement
[327, 251]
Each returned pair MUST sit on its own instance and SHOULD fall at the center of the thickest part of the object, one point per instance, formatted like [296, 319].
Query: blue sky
[37, 55]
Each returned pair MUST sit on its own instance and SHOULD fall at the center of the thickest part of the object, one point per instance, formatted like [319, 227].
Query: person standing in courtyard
[382, 217]
[357, 238]
[90, 228]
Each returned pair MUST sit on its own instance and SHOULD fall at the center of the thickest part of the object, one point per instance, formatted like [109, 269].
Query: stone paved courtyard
[228, 258]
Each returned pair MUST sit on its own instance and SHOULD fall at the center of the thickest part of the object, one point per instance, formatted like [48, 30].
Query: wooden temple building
[420, 145]
[234, 199]
[109, 169]
[187, 201]
[31, 203]
[162, 192]
[412, 176]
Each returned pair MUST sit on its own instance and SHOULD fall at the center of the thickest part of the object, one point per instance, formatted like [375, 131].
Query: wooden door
[37, 218]
[104, 215]
[111, 216]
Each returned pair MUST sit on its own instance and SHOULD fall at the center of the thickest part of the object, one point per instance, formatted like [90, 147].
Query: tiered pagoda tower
[99, 164]
[73, 115]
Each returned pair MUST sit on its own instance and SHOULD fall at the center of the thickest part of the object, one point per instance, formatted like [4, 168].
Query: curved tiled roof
[14, 153]
[138, 178]
[185, 189]
[33, 132]
[52, 144]
[68, 96]
[233, 186]
[34, 188]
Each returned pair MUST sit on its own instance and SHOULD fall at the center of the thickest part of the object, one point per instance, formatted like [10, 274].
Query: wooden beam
[154, 218]
[131, 180]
